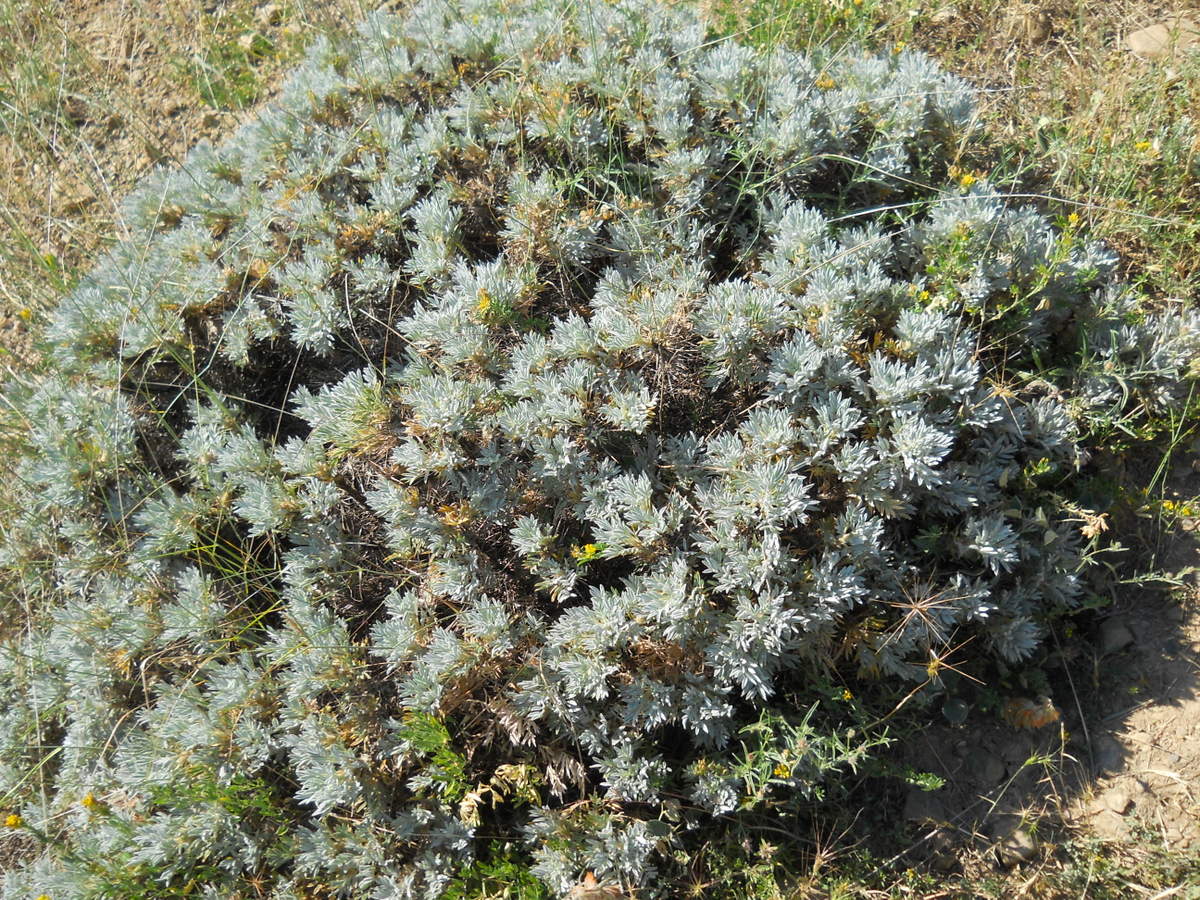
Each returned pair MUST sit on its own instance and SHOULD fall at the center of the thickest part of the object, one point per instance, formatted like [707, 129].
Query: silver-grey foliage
[512, 426]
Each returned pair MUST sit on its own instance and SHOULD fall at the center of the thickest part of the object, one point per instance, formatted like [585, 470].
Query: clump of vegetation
[544, 438]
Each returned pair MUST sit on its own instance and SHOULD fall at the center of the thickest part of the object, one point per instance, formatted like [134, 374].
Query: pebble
[1114, 636]
[1164, 38]
[1015, 848]
[941, 855]
[1107, 754]
[1108, 826]
[75, 109]
[923, 806]
[269, 15]
[1117, 801]
[991, 770]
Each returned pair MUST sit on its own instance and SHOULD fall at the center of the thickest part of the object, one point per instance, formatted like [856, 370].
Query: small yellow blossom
[485, 302]
[25, 314]
[846, 695]
[455, 515]
[900, 45]
[826, 83]
[42, 897]
[1142, 146]
[586, 553]
[1073, 219]
[782, 771]
[12, 820]
[967, 179]
[89, 801]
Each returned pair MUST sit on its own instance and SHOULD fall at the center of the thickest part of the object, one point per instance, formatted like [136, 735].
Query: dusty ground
[1123, 762]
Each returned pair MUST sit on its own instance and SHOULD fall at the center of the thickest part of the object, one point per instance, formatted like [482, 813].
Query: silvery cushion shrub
[509, 439]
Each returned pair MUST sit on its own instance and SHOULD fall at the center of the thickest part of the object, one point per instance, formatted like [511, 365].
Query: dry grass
[93, 94]
[1071, 115]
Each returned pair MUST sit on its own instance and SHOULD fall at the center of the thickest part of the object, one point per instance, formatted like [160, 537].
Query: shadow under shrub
[540, 440]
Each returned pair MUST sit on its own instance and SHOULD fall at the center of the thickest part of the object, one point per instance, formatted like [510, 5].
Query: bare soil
[1122, 764]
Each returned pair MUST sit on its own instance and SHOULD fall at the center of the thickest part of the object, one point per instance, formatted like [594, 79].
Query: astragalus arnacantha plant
[523, 441]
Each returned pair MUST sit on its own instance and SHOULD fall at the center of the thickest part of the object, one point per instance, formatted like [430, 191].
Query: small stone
[1107, 754]
[75, 109]
[1114, 636]
[269, 15]
[1017, 847]
[1109, 826]
[923, 806]
[955, 710]
[940, 851]
[1164, 38]
[991, 770]
[1117, 801]
[77, 203]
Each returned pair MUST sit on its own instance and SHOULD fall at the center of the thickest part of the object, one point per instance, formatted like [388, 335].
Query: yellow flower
[12, 820]
[42, 897]
[1142, 146]
[900, 45]
[455, 515]
[586, 553]
[25, 314]
[1073, 219]
[826, 83]
[89, 801]
[485, 302]
[846, 695]
[967, 180]
[782, 771]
